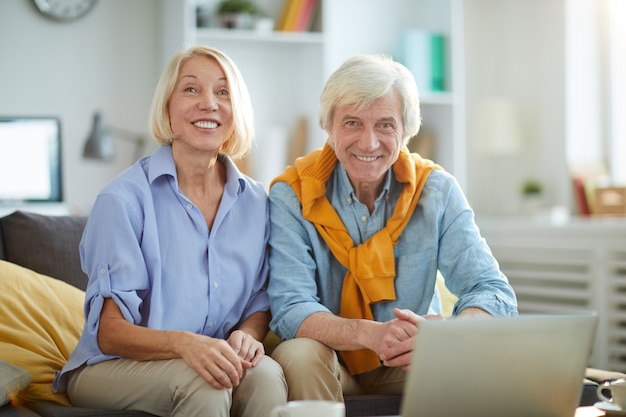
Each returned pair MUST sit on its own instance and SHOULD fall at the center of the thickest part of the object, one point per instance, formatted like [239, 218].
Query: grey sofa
[49, 246]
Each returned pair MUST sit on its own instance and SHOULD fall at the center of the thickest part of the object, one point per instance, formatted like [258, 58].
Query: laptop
[526, 366]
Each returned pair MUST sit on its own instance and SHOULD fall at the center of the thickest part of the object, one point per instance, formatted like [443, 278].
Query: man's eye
[387, 126]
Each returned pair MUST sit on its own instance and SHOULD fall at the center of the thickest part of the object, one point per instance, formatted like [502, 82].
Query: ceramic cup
[617, 391]
[310, 409]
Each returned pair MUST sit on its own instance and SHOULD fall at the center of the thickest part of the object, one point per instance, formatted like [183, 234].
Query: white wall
[110, 60]
[107, 61]
[516, 49]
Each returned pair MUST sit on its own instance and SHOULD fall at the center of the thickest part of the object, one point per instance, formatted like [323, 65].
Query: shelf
[443, 98]
[286, 71]
[314, 38]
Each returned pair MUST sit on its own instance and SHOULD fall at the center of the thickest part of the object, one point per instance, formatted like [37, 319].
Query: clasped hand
[396, 337]
[222, 363]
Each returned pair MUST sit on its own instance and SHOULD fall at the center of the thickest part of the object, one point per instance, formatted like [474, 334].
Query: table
[590, 411]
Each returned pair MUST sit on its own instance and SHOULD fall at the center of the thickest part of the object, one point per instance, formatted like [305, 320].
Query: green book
[423, 53]
[437, 62]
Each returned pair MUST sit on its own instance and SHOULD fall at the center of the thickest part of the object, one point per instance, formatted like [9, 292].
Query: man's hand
[398, 341]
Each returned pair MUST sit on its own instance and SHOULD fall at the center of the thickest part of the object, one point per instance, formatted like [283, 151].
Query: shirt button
[210, 324]
[103, 271]
[363, 218]
[189, 206]
[215, 285]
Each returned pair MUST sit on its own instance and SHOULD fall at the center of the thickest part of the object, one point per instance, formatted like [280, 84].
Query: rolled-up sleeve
[471, 271]
[116, 261]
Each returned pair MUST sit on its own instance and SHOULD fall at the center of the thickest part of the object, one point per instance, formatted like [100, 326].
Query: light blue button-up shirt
[149, 248]
[305, 278]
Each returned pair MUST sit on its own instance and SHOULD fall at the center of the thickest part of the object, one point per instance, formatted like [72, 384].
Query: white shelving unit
[285, 72]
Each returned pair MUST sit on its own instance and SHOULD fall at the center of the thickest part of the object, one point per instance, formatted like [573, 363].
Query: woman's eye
[223, 92]
[190, 90]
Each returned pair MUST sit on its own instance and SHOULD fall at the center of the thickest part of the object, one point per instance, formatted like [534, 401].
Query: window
[617, 65]
[596, 87]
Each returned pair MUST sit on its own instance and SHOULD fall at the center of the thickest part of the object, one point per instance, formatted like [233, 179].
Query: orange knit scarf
[371, 265]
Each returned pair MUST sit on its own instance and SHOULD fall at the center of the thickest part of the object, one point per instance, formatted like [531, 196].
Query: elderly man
[359, 231]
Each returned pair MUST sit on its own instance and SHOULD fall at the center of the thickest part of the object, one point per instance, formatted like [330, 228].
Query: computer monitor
[30, 160]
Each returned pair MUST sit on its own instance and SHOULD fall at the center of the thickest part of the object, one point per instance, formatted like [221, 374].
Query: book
[580, 195]
[423, 53]
[280, 23]
[294, 10]
[305, 18]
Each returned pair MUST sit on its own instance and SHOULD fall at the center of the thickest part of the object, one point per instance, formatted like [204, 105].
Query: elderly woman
[359, 231]
[175, 250]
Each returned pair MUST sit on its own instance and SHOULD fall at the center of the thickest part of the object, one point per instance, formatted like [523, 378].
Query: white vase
[532, 204]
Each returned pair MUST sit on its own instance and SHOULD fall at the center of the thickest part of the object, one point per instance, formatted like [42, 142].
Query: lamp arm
[128, 136]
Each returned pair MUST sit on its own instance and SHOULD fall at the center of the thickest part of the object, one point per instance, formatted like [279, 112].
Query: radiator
[571, 267]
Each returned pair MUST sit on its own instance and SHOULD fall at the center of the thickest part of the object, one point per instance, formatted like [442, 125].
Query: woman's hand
[247, 347]
[222, 363]
[215, 360]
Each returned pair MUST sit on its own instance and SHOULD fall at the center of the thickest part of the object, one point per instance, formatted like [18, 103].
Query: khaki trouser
[172, 388]
[313, 372]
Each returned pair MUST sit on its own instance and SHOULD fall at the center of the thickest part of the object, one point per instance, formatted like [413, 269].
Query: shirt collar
[345, 186]
[162, 163]
[235, 180]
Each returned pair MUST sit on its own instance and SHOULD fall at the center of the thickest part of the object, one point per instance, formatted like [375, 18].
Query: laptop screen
[30, 160]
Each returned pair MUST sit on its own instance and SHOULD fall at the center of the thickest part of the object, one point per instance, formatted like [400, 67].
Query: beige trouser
[172, 388]
[313, 372]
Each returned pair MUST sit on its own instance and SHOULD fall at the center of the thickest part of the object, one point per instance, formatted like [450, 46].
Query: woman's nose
[208, 102]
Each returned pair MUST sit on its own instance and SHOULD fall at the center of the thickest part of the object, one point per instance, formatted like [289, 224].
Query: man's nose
[368, 140]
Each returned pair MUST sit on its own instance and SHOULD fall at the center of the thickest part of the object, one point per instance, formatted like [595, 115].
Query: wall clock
[64, 10]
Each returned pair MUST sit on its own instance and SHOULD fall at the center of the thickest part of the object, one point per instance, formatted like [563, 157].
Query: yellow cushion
[270, 342]
[447, 298]
[41, 319]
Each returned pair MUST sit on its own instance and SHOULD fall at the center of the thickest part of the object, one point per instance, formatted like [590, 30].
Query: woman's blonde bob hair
[239, 144]
[361, 79]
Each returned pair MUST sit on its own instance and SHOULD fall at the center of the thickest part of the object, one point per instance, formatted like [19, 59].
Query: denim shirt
[442, 235]
[148, 247]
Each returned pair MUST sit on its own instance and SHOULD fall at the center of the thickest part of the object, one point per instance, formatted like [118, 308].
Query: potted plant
[236, 14]
[532, 195]
[532, 188]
